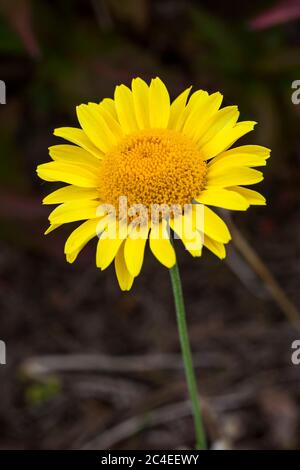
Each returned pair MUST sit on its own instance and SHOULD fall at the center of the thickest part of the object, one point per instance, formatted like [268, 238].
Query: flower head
[140, 166]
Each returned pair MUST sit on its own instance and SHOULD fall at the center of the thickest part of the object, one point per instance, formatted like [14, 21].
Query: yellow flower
[153, 152]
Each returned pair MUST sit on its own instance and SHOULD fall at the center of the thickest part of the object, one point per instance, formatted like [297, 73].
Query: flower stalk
[187, 357]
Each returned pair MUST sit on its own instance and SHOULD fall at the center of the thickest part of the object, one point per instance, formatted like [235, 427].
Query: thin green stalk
[187, 357]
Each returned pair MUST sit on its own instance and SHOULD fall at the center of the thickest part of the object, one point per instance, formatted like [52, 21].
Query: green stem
[187, 357]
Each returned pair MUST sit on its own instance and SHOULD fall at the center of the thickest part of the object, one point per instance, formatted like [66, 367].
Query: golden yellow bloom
[153, 152]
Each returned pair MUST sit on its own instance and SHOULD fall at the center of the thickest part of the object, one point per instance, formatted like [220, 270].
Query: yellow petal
[74, 154]
[109, 105]
[140, 94]
[240, 156]
[112, 124]
[227, 162]
[196, 101]
[257, 150]
[70, 193]
[177, 108]
[125, 109]
[215, 247]
[51, 228]
[159, 104]
[79, 175]
[78, 137]
[186, 224]
[225, 139]
[223, 119]
[215, 227]
[197, 121]
[161, 246]
[253, 197]
[95, 126]
[134, 254]
[223, 177]
[73, 211]
[191, 113]
[192, 241]
[71, 257]
[124, 277]
[107, 249]
[79, 238]
[223, 198]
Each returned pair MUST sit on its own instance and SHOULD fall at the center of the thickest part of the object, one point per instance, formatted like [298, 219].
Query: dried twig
[41, 365]
[133, 425]
[256, 263]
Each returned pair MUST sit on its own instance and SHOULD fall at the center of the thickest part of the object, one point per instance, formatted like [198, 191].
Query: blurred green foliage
[39, 393]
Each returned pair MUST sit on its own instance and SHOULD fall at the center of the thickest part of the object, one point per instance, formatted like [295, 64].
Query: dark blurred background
[89, 366]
